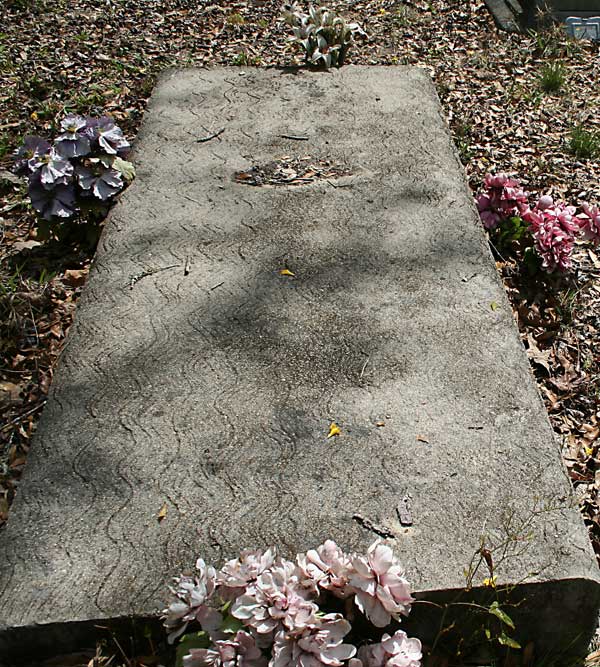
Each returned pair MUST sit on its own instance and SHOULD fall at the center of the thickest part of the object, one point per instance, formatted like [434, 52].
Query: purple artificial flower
[241, 651]
[73, 142]
[589, 223]
[237, 574]
[53, 168]
[276, 600]
[110, 136]
[33, 147]
[192, 595]
[91, 128]
[382, 592]
[316, 646]
[102, 181]
[395, 651]
[326, 567]
[58, 201]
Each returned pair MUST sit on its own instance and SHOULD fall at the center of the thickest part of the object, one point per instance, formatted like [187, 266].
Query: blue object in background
[584, 28]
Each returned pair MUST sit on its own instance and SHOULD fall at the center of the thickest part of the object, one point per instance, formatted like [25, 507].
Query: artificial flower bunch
[553, 225]
[261, 610]
[83, 164]
[324, 36]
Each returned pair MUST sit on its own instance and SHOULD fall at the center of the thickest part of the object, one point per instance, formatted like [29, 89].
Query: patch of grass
[552, 77]
[465, 151]
[235, 19]
[243, 59]
[584, 143]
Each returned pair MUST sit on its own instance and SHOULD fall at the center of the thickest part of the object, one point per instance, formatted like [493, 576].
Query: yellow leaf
[286, 272]
[334, 429]
[589, 451]
[494, 305]
[163, 512]
[34, 115]
[490, 582]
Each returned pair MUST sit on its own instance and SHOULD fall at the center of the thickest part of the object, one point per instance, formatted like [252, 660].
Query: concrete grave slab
[200, 376]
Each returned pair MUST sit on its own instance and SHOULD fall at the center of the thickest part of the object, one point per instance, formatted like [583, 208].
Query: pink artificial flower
[192, 594]
[276, 600]
[553, 226]
[544, 202]
[241, 651]
[488, 216]
[319, 645]
[237, 574]
[395, 651]
[503, 198]
[382, 592]
[589, 223]
[326, 567]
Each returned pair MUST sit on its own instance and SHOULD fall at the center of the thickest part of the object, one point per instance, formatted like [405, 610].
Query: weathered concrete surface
[213, 391]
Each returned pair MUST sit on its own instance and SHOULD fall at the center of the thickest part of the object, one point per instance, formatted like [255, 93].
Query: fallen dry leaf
[334, 429]
[539, 357]
[163, 512]
[9, 393]
[75, 277]
[286, 272]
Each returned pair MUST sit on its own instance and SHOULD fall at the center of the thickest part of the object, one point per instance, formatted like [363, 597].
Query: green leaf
[505, 640]
[502, 615]
[231, 624]
[190, 641]
[494, 305]
[126, 169]
[488, 634]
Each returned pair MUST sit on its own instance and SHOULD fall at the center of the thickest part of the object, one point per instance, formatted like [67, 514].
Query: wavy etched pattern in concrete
[198, 376]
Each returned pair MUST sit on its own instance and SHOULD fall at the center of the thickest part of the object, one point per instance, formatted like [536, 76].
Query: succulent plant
[324, 36]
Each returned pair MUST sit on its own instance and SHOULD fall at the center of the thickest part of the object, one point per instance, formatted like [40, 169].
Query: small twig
[214, 135]
[384, 531]
[294, 137]
[20, 418]
[217, 285]
[144, 274]
[362, 372]
[496, 251]
[339, 185]
[188, 266]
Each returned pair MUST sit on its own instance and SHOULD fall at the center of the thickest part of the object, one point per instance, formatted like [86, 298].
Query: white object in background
[584, 28]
